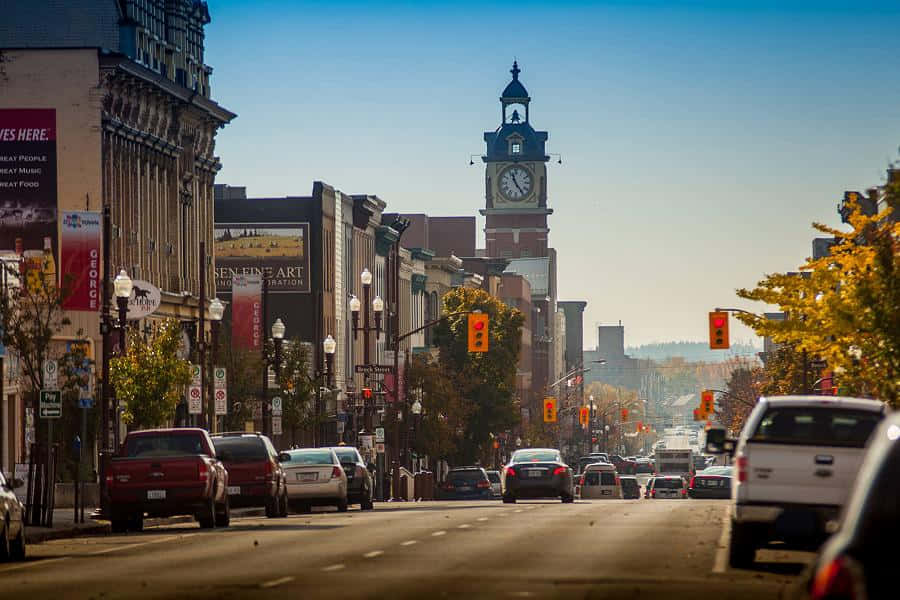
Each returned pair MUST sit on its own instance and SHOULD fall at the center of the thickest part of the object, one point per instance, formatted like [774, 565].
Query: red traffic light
[478, 325]
[719, 322]
[367, 393]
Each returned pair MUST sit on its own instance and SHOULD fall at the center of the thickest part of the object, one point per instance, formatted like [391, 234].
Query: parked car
[600, 481]
[643, 465]
[623, 465]
[711, 483]
[255, 476]
[496, 487]
[631, 489]
[857, 561]
[315, 477]
[12, 521]
[668, 486]
[648, 487]
[537, 473]
[360, 482]
[167, 472]
[796, 460]
[466, 483]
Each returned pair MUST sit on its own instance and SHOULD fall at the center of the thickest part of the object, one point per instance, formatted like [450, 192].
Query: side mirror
[284, 457]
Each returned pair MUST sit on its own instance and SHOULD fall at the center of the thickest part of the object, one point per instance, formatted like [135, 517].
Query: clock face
[516, 183]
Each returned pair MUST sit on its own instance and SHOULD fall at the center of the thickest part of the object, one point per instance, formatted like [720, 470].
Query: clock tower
[515, 180]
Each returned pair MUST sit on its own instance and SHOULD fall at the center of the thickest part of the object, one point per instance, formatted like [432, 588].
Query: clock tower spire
[516, 179]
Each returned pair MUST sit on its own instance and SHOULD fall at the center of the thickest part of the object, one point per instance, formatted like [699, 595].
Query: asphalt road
[541, 549]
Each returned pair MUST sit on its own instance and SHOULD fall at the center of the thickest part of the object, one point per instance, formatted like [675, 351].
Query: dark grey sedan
[538, 473]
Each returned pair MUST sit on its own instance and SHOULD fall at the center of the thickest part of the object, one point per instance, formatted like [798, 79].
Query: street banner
[248, 248]
[80, 259]
[246, 311]
[28, 191]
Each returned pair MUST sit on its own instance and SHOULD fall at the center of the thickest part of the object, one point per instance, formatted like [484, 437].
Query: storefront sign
[80, 259]
[144, 300]
[279, 249]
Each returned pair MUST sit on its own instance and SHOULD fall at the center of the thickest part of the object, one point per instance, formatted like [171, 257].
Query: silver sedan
[314, 478]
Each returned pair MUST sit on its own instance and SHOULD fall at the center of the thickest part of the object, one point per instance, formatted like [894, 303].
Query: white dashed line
[464, 526]
[409, 543]
[481, 519]
[332, 568]
[139, 544]
[517, 511]
[276, 582]
[373, 553]
[721, 561]
[439, 533]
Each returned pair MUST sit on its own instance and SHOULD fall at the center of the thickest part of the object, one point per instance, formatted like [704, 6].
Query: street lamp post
[216, 312]
[277, 332]
[372, 311]
[416, 412]
[122, 286]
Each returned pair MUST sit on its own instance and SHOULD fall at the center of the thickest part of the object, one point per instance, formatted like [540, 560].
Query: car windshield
[469, 476]
[816, 426]
[494, 476]
[668, 484]
[163, 444]
[310, 457]
[238, 450]
[524, 456]
[347, 455]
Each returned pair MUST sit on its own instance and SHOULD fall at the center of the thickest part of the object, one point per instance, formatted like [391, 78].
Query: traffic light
[478, 332]
[584, 416]
[718, 331]
[697, 415]
[707, 403]
[624, 414]
[640, 426]
[549, 409]
[367, 393]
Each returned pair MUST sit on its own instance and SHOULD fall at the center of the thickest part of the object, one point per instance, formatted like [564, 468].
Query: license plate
[234, 490]
[307, 476]
[464, 488]
[535, 473]
[606, 492]
[156, 494]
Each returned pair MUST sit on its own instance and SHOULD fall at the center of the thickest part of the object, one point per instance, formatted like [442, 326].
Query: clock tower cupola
[515, 179]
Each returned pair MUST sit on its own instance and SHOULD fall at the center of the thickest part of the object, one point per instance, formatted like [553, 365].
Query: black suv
[360, 483]
[255, 477]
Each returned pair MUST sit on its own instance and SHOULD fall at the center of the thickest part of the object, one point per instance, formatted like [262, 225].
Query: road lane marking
[517, 511]
[332, 568]
[373, 554]
[721, 561]
[276, 582]
[438, 533]
[36, 563]
[139, 544]
[464, 526]
[481, 519]
[409, 543]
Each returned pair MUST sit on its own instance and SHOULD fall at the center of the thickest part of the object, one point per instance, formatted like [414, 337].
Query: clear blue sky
[699, 139]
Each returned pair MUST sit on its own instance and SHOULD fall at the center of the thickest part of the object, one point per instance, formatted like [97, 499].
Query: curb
[105, 528]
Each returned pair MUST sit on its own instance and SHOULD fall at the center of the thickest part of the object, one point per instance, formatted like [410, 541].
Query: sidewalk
[64, 525]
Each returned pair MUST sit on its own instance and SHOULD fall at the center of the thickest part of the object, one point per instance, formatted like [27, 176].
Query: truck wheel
[17, 549]
[742, 546]
[119, 524]
[223, 514]
[568, 499]
[342, 505]
[207, 517]
[136, 522]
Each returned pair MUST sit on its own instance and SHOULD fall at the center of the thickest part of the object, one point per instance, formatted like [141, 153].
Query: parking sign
[195, 401]
[221, 397]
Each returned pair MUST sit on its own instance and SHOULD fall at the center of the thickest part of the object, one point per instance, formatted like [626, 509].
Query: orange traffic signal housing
[624, 414]
[707, 403]
[584, 416]
[478, 332]
[549, 409]
[718, 331]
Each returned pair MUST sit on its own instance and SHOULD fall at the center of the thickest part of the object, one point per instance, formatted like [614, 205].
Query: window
[816, 426]
[516, 148]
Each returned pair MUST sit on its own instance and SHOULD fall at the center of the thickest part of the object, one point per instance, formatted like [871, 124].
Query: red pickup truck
[166, 472]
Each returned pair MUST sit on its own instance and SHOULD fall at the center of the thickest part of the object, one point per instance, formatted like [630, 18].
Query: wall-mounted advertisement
[80, 259]
[28, 190]
[279, 249]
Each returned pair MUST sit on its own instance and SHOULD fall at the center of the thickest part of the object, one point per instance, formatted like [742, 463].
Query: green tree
[445, 414]
[150, 378]
[486, 380]
[244, 382]
[297, 389]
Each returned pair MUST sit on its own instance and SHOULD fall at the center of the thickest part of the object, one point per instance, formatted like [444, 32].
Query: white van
[600, 480]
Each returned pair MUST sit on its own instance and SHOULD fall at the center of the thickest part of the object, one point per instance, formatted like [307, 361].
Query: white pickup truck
[795, 463]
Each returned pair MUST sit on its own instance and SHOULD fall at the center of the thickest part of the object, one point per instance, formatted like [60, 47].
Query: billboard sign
[281, 249]
[246, 311]
[80, 259]
[28, 190]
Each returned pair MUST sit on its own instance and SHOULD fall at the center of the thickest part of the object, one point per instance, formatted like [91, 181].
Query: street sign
[219, 381]
[221, 400]
[195, 401]
[374, 369]
[379, 447]
[276, 406]
[365, 442]
[379, 434]
[196, 375]
[85, 400]
[276, 425]
[51, 374]
[51, 404]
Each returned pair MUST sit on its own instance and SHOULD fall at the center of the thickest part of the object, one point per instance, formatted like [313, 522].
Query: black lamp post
[416, 412]
[122, 286]
[278, 337]
[216, 312]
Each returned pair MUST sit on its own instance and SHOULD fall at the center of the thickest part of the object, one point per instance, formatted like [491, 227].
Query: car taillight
[510, 471]
[559, 470]
[447, 485]
[202, 473]
[692, 482]
[837, 579]
[683, 492]
[581, 481]
[109, 479]
[336, 472]
[653, 493]
[483, 484]
[742, 466]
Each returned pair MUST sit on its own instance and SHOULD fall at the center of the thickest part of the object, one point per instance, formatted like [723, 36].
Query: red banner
[80, 258]
[246, 312]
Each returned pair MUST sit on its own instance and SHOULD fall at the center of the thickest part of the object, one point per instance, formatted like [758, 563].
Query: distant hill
[690, 351]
